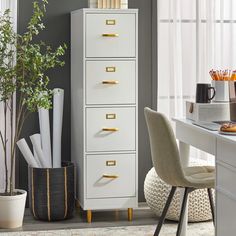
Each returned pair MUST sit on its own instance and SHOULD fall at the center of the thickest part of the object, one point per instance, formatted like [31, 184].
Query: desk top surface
[189, 123]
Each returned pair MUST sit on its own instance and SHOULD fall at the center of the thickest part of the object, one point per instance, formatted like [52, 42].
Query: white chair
[166, 161]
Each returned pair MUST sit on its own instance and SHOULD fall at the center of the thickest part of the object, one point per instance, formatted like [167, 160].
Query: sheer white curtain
[194, 36]
[12, 5]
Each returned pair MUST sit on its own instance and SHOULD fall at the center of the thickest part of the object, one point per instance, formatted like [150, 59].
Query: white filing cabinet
[104, 110]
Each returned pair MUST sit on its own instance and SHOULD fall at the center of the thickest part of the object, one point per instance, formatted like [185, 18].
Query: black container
[51, 192]
[203, 93]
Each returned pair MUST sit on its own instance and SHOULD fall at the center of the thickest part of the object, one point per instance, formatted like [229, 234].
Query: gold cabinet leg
[89, 216]
[130, 214]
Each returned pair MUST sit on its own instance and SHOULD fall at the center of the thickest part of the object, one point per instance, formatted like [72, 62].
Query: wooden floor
[142, 216]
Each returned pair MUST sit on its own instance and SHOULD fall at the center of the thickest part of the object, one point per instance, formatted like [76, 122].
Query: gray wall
[57, 31]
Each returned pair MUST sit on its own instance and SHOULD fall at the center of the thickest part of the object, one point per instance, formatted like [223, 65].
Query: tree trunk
[5, 146]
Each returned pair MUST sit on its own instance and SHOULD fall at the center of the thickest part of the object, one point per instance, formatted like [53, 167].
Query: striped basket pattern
[51, 192]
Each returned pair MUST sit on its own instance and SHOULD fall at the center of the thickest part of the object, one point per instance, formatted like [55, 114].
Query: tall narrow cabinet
[104, 111]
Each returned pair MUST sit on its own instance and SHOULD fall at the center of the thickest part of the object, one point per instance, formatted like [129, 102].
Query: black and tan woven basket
[51, 192]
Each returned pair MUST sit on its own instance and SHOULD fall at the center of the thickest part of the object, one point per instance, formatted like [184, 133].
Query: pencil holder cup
[51, 192]
[221, 90]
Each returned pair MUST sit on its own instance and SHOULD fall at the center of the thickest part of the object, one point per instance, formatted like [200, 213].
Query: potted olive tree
[23, 67]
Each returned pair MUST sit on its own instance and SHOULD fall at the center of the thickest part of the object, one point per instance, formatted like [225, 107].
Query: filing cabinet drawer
[110, 82]
[110, 129]
[110, 175]
[225, 175]
[110, 35]
[226, 217]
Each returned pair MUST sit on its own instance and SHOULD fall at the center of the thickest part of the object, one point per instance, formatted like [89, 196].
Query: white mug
[222, 91]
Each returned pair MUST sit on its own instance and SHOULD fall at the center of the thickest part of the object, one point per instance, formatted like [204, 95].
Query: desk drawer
[226, 152]
[110, 129]
[110, 82]
[226, 215]
[225, 177]
[110, 176]
[110, 35]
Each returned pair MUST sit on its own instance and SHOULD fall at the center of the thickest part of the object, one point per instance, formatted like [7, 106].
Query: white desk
[223, 147]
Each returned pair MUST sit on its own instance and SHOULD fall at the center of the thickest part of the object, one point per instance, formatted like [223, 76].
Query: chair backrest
[164, 149]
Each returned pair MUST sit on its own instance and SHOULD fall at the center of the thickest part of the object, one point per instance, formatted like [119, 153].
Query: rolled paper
[45, 135]
[40, 119]
[58, 100]
[35, 154]
[25, 150]
[38, 152]
[36, 158]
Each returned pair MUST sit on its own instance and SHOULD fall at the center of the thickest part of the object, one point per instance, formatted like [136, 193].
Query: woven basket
[51, 192]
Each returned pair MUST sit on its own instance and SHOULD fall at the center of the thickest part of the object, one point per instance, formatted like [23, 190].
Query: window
[194, 36]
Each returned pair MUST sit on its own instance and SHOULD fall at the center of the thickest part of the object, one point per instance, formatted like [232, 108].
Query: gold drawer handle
[110, 129]
[110, 176]
[110, 35]
[110, 82]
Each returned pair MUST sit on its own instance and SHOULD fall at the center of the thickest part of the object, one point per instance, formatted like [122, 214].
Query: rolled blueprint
[38, 152]
[37, 159]
[25, 150]
[58, 100]
[35, 154]
[45, 135]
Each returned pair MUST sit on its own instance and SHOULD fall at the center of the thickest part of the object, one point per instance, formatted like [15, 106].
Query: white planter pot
[12, 210]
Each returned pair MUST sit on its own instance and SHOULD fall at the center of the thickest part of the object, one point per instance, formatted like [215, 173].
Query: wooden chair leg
[184, 203]
[89, 216]
[163, 215]
[130, 214]
[210, 195]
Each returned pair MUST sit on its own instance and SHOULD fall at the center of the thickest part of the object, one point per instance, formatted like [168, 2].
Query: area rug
[196, 229]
